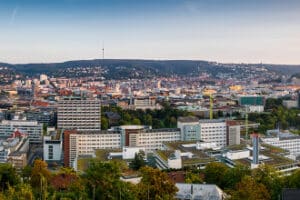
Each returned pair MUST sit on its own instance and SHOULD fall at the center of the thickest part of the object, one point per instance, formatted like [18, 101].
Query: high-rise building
[80, 114]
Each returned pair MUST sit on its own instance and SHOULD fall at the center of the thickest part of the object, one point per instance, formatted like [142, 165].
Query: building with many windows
[213, 131]
[189, 127]
[78, 143]
[287, 141]
[144, 136]
[85, 143]
[52, 149]
[80, 114]
[32, 128]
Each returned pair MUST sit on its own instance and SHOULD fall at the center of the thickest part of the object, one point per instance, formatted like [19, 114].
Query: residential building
[32, 128]
[145, 103]
[14, 150]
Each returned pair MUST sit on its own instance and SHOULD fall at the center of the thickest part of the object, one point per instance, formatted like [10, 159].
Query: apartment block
[32, 128]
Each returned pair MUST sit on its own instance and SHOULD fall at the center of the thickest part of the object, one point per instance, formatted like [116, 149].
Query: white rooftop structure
[199, 191]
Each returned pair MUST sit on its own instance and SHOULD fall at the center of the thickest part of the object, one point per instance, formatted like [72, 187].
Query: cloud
[13, 15]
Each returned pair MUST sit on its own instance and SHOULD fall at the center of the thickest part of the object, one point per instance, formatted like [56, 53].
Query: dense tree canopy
[164, 118]
[249, 189]
[155, 184]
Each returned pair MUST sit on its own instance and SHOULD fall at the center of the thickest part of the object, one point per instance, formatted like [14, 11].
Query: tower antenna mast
[103, 54]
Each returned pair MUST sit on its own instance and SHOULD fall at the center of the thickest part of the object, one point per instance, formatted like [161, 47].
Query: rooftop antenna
[102, 54]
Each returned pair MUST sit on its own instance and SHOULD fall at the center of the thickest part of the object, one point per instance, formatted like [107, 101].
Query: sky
[237, 31]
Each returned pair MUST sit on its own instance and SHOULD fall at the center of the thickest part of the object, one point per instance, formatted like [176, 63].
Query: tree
[126, 117]
[103, 181]
[158, 123]
[26, 173]
[272, 103]
[67, 184]
[293, 181]
[45, 128]
[63, 179]
[136, 121]
[38, 172]
[104, 123]
[235, 175]
[148, 120]
[138, 161]
[155, 184]
[214, 173]
[8, 176]
[249, 189]
[191, 177]
[20, 192]
[270, 178]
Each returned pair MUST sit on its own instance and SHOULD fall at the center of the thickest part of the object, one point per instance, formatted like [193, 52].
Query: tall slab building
[79, 114]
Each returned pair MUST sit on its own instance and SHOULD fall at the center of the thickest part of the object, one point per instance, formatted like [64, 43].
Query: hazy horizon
[225, 31]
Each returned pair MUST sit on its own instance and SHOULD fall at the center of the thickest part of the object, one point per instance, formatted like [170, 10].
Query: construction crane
[246, 122]
[211, 104]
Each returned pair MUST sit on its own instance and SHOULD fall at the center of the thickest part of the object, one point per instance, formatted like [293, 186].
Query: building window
[50, 152]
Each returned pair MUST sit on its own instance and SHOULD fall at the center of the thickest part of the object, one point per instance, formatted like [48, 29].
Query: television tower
[103, 54]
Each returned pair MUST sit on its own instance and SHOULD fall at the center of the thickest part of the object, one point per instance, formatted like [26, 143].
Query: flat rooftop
[199, 156]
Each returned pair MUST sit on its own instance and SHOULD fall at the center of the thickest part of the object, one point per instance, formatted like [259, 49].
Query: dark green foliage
[235, 175]
[192, 177]
[278, 117]
[270, 178]
[138, 161]
[293, 181]
[103, 181]
[272, 103]
[8, 176]
[155, 184]
[214, 173]
[164, 118]
[249, 189]
[104, 123]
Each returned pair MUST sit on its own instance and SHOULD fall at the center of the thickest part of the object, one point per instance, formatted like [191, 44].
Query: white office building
[213, 131]
[143, 136]
[52, 149]
[285, 141]
[84, 144]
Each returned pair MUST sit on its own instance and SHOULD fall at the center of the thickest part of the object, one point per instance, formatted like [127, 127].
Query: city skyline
[223, 31]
